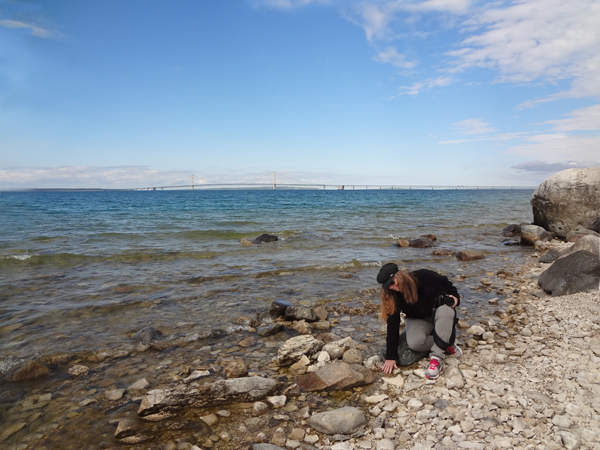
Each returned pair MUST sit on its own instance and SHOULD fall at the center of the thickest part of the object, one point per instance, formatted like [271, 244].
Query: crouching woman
[428, 300]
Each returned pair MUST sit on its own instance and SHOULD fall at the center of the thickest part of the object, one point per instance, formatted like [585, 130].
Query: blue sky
[448, 92]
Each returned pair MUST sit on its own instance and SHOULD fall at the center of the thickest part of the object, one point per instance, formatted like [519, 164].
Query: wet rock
[114, 394]
[245, 242]
[210, 419]
[421, 242]
[259, 408]
[469, 255]
[147, 335]
[532, 233]
[337, 349]
[220, 392]
[127, 428]
[139, 385]
[265, 238]
[402, 243]
[511, 230]
[336, 376]
[431, 237]
[345, 420]
[78, 370]
[550, 256]
[302, 327]
[195, 375]
[293, 313]
[29, 370]
[293, 349]
[300, 366]
[247, 342]
[443, 252]
[277, 401]
[12, 429]
[577, 272]
[353, 356]
[322, 325]
[568, 200]
[236, 368]
[374, 363]
[270, 330]
[278, 308]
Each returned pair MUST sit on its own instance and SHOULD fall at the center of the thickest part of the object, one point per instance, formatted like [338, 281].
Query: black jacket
[430, 285]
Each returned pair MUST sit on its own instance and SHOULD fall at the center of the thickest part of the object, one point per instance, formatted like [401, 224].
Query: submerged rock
[270, 330]
[147, 335]
[293, 313]
[469, 255]
[530, 234]
[265, 238]
[278, 308]
[29, 370]
[421, 242]
[293, 349]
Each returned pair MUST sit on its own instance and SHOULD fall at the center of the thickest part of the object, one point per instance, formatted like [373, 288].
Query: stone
[247, 342]
[577, 272]
[293, 349]
[114, 394]
[374, 363]
[588, 243]
[293, 313]
[265, 238]
[397, 381]
[407, 356]
[236, 368]
[29, 370]
[511, 230]
[337, 349]
[244, 241]
[147, 335]
[195, 375]
[353, 356]
[421, 242]
[78, 370]
[278, 308]
[469, 255]
[567, 200]
[127, 428]
[336, 376]
[550, 256]
[302, 327]
[530, 234]
[443, 252]
[270, 330]
[244, 389]
[570, 440]
[345, 420]
[259, 408]
[385, 444]
[562, 421]
[277, 401]
[402, 243]
[139, 385]
[268, 446]
[210, 419]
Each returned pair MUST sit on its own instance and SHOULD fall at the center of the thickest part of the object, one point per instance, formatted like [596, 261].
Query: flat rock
[469, 255]
[293, 349]
[345, 420]
[336, 376]
[29, 370]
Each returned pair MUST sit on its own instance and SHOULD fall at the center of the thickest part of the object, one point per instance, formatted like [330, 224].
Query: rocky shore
[529, 379]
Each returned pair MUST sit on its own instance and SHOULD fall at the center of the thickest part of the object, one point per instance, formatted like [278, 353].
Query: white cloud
[559, 147]
[581, 119]
[391, 55]
[37, 31]
[122, 177]
[426, 84]
[537, 40]
[286, 4]
[473, 126]
[542, 167]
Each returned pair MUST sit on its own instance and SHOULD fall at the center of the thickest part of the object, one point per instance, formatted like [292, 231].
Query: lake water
[81, 272]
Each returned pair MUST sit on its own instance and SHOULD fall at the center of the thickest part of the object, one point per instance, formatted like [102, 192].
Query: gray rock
[336, 376]
[337, 348]
[293, 349]
[127, 428]
[550, 256]
[567, 200]
[270, 330]
[301, 313]
[570, 440]
[247, 389]
[278, 308]
[265, 238]
[577, 272]
[588, 243]
[147, 335]
[532, 233]
[345, 420]
[353, 356]
[266, 447]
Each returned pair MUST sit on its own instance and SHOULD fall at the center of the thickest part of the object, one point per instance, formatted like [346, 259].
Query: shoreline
[534, 408]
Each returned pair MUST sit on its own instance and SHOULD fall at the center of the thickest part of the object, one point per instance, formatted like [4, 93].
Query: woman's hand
[389, 366]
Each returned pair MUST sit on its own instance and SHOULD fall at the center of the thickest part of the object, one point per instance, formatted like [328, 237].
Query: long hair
[408, 287]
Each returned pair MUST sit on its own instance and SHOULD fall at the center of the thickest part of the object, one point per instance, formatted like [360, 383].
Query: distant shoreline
[284, 188]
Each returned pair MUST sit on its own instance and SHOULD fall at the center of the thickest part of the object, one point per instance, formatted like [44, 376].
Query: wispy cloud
[286, 4]
[543, 167]
[579, 120]
[473, 126]
[390, 55]
[558, 148]
[426, 84]
[36, 30]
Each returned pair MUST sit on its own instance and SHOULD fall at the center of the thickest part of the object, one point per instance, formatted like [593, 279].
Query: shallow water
[81, 272]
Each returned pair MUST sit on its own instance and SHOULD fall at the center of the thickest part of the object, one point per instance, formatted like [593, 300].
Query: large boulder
[567, 200]
[588, 243]
[532, 233]
[577, 272]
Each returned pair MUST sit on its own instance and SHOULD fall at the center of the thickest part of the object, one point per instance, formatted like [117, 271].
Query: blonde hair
[407, 286]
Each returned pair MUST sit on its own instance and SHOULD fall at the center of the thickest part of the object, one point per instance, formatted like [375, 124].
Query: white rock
[385, 444]
[376, 398]
[397, 381]
[277, 401]
[562, 421]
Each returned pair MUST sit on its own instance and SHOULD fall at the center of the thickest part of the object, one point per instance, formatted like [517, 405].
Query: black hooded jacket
[430, 285]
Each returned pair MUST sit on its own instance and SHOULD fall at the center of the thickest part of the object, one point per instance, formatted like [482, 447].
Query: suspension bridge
[291, 183]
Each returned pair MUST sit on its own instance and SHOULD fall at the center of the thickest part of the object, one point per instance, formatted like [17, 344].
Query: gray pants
[419, 335]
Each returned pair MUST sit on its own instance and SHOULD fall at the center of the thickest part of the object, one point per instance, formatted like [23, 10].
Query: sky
[128, 94]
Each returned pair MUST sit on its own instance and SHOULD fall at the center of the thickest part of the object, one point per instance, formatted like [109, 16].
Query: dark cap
[386, 274]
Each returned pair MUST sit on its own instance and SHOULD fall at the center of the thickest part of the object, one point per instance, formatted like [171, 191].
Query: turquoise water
[81, 272]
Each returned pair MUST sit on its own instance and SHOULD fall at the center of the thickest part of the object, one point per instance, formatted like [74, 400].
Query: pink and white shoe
[434, 369]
